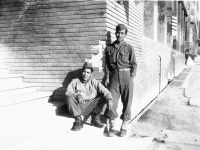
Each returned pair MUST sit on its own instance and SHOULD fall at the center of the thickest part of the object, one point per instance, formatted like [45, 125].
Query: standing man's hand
[133, 75]
[107, 82]
[110, 104]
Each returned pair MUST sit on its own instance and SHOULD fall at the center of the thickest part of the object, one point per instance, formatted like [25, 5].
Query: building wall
[157, 62]
[192, 20]
[46, 40]
[130, 13]
[168, 59]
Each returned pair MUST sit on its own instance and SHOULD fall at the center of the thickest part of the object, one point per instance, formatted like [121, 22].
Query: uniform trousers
[76, 109]
[121, 84]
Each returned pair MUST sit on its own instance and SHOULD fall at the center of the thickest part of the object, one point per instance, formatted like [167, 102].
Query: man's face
[86, 74]
[120, 35]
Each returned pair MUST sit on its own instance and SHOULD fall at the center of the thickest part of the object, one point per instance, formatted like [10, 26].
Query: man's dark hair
[88, 66]
[121, 27]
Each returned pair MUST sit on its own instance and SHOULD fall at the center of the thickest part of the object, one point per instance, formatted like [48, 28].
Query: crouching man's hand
[109, 104]
[80, 99]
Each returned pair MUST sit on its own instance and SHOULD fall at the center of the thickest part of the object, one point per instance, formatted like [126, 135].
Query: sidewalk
[174, 121]
[55, 134]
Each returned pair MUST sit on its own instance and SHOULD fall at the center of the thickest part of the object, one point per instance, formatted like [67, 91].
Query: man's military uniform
[121, 68]
[93, 92]
[85, 97]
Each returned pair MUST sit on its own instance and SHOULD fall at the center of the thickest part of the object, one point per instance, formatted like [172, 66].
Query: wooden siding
[46, 40]
[157, 64]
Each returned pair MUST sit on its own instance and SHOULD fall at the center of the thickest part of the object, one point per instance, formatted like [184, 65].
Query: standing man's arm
[133, 62]
[107, 69]
[106, 94]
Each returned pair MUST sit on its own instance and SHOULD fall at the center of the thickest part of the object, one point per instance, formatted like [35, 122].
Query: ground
[172, 121]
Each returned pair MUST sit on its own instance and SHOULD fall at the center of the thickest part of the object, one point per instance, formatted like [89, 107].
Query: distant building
[192, 27]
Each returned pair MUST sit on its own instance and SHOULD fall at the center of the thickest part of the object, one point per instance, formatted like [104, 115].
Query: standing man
[86, 95]
[186, 56]
[120, 71]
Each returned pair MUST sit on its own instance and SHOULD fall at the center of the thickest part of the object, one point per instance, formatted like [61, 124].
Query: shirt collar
[115, 43]
[82, 81]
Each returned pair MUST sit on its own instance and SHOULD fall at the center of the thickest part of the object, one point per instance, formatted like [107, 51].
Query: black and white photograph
[99, 75]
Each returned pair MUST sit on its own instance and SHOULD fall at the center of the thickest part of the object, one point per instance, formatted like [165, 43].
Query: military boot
[123, 131]
[78, 124]
[112, 131]
[96, 121]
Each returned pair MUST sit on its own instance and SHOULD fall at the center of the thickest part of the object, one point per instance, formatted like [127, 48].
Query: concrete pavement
[55, 134]
[174, 121]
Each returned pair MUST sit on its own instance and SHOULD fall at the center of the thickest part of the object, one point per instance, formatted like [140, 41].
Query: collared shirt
[118, 58]
[88, 90]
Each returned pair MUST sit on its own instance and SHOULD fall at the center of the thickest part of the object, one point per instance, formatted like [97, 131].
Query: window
[149, 19]
[161, 22]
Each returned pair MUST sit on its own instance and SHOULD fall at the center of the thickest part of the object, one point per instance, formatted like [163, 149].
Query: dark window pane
[149, 19]
[161, 22]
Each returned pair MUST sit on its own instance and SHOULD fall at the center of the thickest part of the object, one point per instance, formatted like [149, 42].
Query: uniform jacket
[120, 58]
[89, 90]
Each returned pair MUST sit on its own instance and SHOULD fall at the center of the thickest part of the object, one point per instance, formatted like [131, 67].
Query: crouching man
[86, 95]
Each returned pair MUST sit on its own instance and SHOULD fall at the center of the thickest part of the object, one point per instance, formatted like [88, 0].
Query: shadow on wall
[126, 6]
[58, 97]
[108, 38]
[58, 94]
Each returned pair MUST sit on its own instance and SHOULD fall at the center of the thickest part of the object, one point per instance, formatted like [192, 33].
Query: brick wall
[46, 40]
[161, 66]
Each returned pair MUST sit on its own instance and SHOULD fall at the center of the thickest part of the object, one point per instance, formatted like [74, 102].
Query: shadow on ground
[58, 97]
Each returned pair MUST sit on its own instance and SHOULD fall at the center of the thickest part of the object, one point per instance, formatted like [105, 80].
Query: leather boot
[123, 131]
[78, 124]
[112, 132]
[96, 121]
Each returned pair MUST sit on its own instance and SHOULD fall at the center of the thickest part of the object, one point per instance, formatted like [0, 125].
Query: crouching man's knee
[71, 100]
